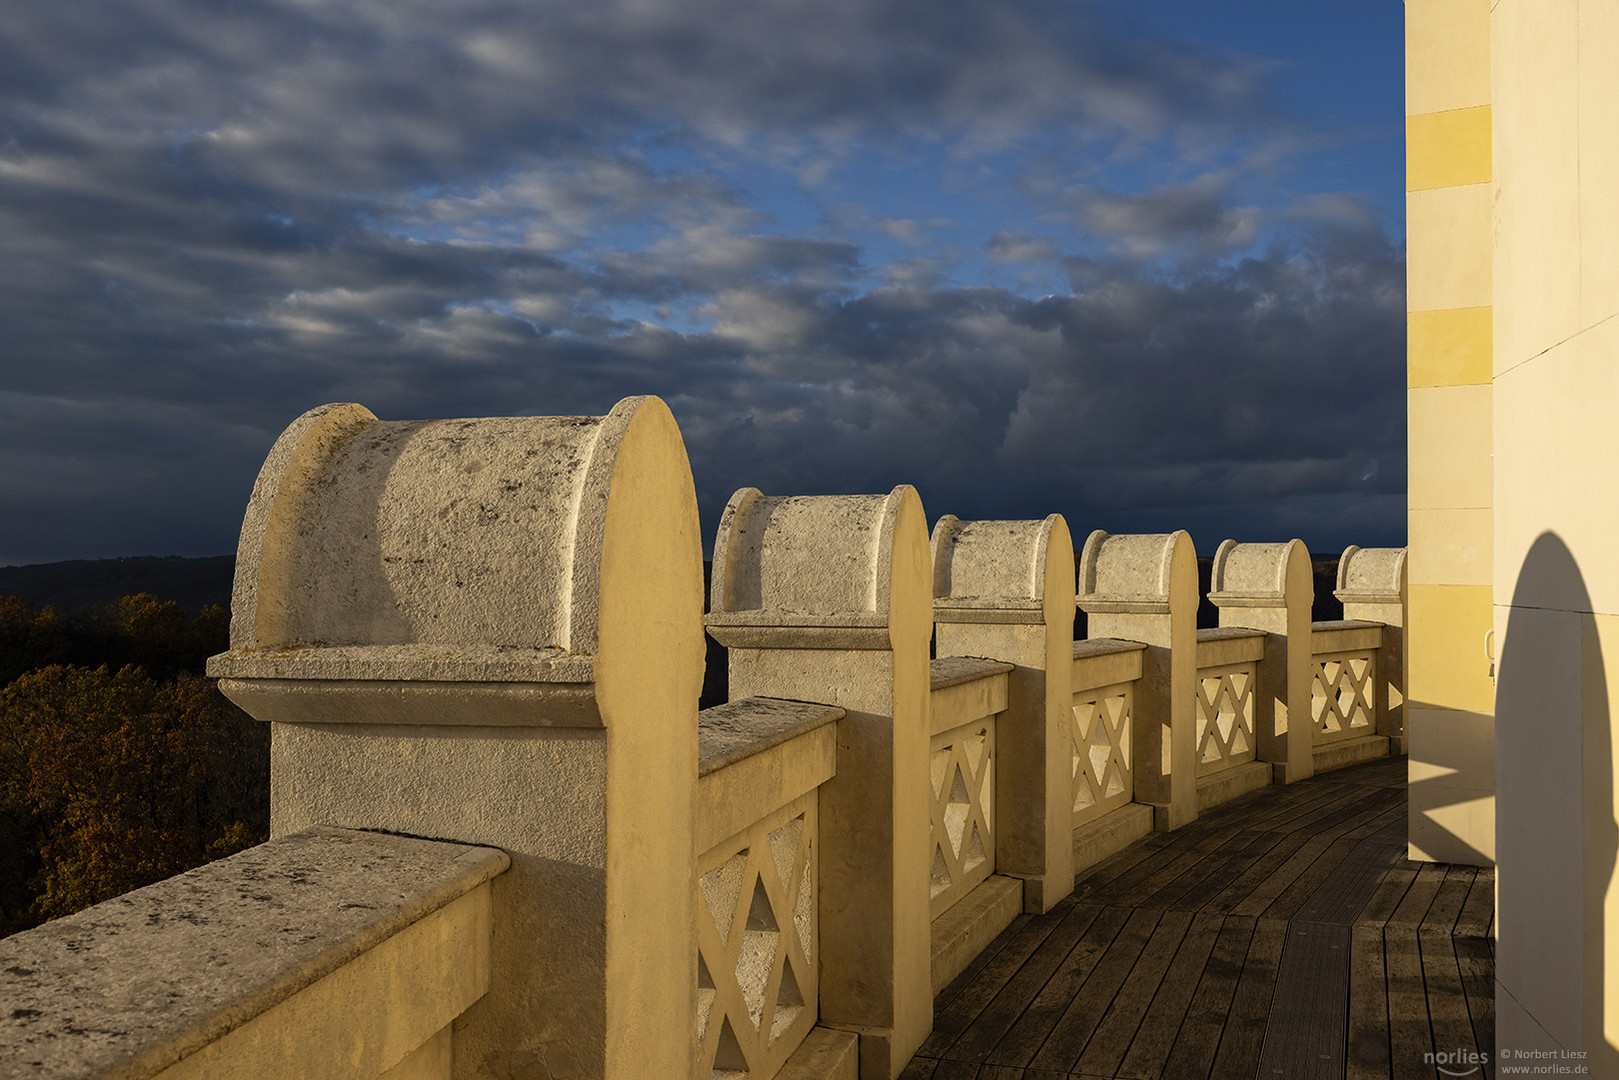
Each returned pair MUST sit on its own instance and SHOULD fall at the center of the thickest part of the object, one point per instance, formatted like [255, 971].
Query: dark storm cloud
[214, 216]
[1270, 389]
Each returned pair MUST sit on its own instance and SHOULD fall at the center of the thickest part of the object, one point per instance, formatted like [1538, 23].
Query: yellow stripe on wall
[1447, 149]
[1449, 347]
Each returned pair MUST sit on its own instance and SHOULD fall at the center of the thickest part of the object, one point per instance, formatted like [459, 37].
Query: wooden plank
[1414, 908]
[1244, 1034]
[1206, 886]
[1312, 844]
[1391, 771]
[1340, 805]
[1112, 891]
[1065, 1044]
[1293, 802]
[955, 1070]
[1001, 1072]
[1150, 1048]
[1261, 869]
[1199, 1037]
[1106, 1050]
[1479, 908]
[1120, 863]
[1475, 961]
[1448, 901]
[1304, 886]
[1387, 897]
[919, 1068]
[1169, 882]
[1265, 892]
[968, 997]
[969, 975]
[1447, 1004]
[1268, 808]
[1005, 1007]
[1028, 1032]
[1409, 1034]
[1367, 1052]
[1395, 810]
[1340, 817]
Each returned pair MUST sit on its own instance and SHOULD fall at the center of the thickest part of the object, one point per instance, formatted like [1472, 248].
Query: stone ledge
[949, 671]
[1088, 647]
[1336, 755]
[739, 729]
[825, 1054]
[1225, 645]
[1227, 784]
[1110, 834]
[972, 922]
[134, 985]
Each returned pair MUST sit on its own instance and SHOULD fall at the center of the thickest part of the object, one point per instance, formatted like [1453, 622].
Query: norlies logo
[1458, 1062]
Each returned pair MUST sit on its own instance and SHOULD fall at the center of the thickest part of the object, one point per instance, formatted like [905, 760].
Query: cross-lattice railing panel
[962, 764]
[756, 945]
[1225, 716]
[1100, 746]
[1341, 695]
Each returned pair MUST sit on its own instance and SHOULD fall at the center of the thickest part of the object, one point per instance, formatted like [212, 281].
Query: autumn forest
[120, 764]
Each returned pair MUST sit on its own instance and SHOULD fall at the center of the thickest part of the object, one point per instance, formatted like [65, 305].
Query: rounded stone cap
[1133, 573]
[995, 571]
[1371, 575]
[818, 567]
[435, 549]
[1255, 575]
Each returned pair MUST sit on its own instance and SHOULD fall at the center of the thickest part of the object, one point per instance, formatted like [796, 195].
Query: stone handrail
[760, 765]
[1105, 673]
[1372, 587]
[1344, 659]
[281, 960]
[1227, 685]
[967, 695]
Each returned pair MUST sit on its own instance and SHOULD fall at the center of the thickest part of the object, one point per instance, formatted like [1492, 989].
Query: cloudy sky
[1138, 263]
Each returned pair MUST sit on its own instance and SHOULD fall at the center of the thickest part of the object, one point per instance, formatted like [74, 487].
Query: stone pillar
[490, 631]
[1269, 587]
[1004, 590]
[1372, 586]
[1144, 588]
[827, 599]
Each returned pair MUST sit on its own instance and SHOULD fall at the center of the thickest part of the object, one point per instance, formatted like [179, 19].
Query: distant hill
[81, 586]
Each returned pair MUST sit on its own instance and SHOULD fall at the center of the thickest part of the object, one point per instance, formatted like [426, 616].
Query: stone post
[1372, 586]
[490, 631]
[1144, 588]
[827, 599]
[1004, 590]
[1269, 587]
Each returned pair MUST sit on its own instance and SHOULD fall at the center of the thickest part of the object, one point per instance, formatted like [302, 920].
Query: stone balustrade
[490, 633]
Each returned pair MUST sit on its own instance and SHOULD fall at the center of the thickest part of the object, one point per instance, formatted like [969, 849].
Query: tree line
[120, 764]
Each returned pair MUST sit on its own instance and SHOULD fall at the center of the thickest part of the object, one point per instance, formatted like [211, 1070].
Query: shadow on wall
[1556, 837]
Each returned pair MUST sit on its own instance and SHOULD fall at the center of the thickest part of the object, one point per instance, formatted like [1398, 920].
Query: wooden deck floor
[1283, 934]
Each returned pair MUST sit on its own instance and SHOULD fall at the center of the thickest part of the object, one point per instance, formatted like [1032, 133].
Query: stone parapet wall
[490, 632]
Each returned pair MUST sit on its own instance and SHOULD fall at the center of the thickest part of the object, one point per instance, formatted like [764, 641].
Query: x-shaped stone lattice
[756, 963]
[1341, 695]
[963, 833]
[1225, 717]
[1101, 751]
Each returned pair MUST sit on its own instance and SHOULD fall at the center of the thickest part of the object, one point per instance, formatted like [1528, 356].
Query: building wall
[1450, 719]
[1554, 88]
